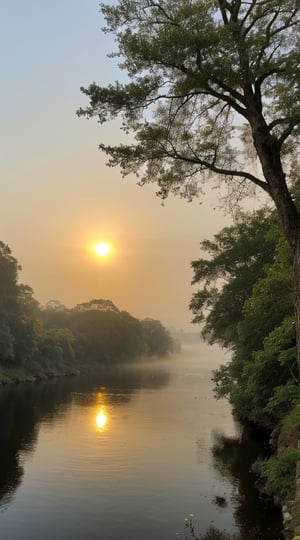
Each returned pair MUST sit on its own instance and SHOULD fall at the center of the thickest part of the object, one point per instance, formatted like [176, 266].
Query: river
[128, 455]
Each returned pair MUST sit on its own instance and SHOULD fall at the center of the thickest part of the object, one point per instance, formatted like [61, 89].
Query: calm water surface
[127, 455]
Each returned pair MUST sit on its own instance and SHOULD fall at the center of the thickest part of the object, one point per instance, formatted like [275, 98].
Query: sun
[102, 249]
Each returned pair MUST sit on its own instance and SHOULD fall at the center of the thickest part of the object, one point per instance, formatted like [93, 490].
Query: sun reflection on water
[101, 419]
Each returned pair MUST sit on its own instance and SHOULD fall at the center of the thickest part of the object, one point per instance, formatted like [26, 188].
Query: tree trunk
[270, 158]
[296, 268]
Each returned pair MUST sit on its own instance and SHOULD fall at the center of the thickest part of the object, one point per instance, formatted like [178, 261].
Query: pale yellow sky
[58, 197]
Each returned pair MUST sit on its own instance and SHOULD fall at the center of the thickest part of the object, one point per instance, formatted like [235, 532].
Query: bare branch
[286, 133]
[223, 6]
[286, 120]
[252, 6]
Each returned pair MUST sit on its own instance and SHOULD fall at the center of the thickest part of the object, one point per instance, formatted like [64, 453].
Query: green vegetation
[53, 340]
[245, 303]
[280, 473]
[290, 425]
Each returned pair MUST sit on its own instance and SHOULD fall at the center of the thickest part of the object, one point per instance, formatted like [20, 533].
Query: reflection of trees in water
[24, 407]
[119, 384]
[232, 458]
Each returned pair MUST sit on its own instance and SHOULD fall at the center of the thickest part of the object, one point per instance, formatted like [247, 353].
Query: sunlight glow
[102, 249]
[101, 419]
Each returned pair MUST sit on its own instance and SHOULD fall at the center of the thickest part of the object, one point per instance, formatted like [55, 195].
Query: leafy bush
[290, 428]
[280, 472]
[291, 420]
[283, 399]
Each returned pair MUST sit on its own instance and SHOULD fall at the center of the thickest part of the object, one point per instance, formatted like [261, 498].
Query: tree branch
[223, 5]
[218, 170]
[260, 80]
[165, 14]
[279, 121]
[286, 133]
[208, 90]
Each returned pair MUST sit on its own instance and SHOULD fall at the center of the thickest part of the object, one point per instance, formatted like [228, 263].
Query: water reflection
[101, 419]
[115, 459]
[24, 407]
[233, 457]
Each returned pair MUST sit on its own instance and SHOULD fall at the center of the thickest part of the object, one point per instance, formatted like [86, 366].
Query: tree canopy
[206, 79]
[236, 259]
[248, 307]
[36, 340]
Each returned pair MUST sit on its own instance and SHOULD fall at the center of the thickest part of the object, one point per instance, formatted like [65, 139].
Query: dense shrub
[280, 472]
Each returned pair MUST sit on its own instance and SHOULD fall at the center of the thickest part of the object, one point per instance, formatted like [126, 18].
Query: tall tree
[18, 327]
[205, 78]
[237, 257]
[9, 288]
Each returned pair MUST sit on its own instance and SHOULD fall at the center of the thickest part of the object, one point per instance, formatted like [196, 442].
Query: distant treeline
[37, 339]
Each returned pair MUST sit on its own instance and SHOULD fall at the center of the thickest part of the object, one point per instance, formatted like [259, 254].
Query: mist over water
[127, 454]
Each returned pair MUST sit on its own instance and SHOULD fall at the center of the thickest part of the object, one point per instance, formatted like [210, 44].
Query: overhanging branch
[216, 169]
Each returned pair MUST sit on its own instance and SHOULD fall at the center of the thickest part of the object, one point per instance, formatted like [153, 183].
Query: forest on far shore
[36, 340]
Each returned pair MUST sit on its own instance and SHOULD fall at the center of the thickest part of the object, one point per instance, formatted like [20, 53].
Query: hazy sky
[59, 198]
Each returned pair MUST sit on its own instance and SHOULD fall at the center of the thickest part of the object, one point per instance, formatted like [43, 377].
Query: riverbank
[286, 472]
[19, 374]
[279, 475]
[43, 371]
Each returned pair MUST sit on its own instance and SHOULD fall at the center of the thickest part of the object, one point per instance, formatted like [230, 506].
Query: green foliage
[197, 71]
[106, 306]
[19, 330]
[54, 339]
[280, 344]
[270, 302]
[246, 304]
[267, 384]
[7, 342]
[224, 381]
[107, 335]
[157, 338]
[283, 399]
[280, 472]
[237, 258]
[26, 331]
[9, 289]
[57, 347]
[290, 423]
